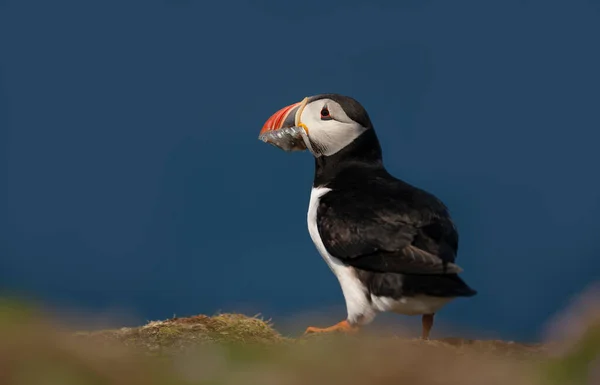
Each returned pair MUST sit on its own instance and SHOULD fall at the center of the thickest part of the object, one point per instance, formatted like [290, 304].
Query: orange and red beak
[285, 117]
[285, 130]
[288, 116]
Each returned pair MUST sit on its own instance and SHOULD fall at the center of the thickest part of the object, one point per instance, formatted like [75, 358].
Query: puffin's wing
[409, 260]
[384, 235]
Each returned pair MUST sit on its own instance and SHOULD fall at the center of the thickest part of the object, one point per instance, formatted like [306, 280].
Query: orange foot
[343, 327]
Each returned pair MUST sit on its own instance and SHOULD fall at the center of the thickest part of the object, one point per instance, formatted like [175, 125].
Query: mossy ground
[235, 349]
[181, 334]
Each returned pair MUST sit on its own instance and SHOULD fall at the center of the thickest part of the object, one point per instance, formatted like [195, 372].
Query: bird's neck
[364, 151]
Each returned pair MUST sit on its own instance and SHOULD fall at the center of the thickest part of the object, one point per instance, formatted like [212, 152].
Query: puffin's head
[323, 124]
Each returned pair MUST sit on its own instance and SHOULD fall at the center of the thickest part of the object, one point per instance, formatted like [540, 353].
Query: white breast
[355, 293]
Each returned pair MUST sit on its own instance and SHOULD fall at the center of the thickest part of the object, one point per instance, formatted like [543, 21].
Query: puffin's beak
[284, 129]
[286, 117]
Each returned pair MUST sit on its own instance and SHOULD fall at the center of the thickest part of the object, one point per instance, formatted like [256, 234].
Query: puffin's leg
[427, 322]
[343, 327]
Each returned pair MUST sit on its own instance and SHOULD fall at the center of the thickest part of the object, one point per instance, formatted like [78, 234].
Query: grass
[181, 334]
[235, 349]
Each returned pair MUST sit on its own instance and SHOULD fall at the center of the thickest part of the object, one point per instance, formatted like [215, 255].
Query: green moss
[14, 312]
[575, 367]
[182, 334]
[167, 334]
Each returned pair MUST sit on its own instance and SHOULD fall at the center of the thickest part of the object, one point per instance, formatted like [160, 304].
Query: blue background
[132, 178]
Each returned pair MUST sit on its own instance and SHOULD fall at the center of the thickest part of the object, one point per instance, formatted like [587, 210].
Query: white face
[329, 128]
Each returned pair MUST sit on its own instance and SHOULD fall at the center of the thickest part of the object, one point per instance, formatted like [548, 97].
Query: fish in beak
[285, 130]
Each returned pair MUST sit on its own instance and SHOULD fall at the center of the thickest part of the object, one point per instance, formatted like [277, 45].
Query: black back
[374, 221]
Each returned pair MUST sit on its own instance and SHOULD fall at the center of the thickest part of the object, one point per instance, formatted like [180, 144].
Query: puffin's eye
[325, 114]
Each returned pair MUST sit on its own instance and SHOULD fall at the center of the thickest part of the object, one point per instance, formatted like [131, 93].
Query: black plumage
[387, 229]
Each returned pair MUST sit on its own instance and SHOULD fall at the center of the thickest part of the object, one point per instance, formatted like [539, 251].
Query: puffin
[391, 245]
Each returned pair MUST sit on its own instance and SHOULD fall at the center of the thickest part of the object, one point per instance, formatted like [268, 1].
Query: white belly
[420, 304]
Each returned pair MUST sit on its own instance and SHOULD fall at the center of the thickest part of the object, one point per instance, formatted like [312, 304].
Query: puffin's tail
[442, 285]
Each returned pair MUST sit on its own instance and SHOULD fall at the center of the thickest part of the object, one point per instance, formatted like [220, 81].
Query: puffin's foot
[343, 327]
[427, 323]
